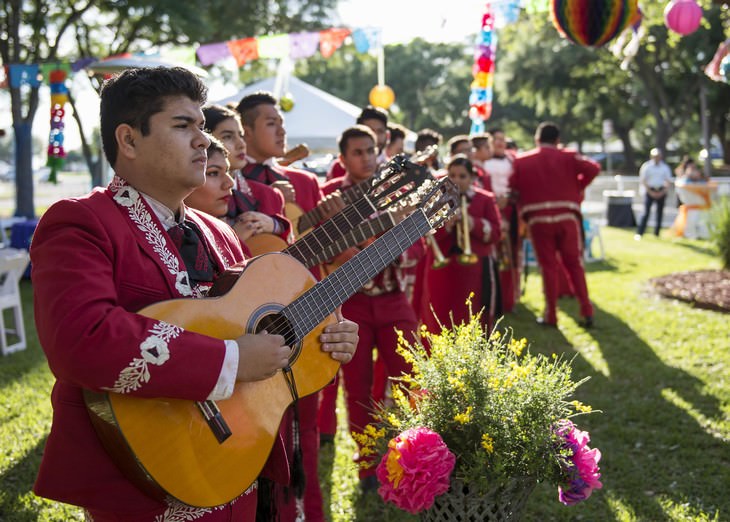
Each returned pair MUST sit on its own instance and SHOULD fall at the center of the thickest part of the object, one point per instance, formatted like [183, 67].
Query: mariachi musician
[549, 182]
[99, 259]
[461, 258]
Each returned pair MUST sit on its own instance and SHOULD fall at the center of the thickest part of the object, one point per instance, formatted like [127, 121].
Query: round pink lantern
[683, 16]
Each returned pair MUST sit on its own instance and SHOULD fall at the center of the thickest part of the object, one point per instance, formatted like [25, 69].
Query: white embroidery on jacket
[154, 350]
[179, 512]
[128, 197]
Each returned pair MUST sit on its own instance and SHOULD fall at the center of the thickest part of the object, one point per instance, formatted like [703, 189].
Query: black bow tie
[198, 263]
[262, 173]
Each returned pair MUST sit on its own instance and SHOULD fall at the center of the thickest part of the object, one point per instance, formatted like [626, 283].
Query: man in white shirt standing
[655, 176]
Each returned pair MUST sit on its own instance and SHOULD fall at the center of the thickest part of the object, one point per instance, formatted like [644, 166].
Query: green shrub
[720, 229]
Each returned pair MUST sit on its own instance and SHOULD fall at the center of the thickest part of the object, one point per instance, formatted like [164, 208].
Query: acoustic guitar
[304, 222]
[399, 179]
[207, 453]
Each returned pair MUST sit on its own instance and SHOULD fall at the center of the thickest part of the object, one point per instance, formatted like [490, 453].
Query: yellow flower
[469, 299]
[495, 336]
[393, 420]
[580, 407]
[456, 383]
[488, 443]
[517, 346]
[463, 418]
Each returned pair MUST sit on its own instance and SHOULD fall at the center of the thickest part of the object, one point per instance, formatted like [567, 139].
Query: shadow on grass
[701, 247]
[654, 436]
[17, 481]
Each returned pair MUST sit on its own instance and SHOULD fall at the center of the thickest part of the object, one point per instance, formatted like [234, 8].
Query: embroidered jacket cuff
[227, 378]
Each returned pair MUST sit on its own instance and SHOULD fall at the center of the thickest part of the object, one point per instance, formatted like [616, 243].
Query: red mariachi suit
[97, 260]
[253, 195]
[337, 170]
[549, 183]
[379, 308]
[307, 195]
[447, 289]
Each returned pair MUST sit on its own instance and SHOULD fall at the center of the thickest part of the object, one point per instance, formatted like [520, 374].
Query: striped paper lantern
[592, 22]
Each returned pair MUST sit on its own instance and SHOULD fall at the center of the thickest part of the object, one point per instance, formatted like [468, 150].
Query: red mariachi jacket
[268, 201]
[96, 260]
[486, 230]
[549, 182]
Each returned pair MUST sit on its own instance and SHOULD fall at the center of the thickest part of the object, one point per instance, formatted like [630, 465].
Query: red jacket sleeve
[89, 278]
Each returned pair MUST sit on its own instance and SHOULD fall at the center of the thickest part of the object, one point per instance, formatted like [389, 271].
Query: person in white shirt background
[655, 176]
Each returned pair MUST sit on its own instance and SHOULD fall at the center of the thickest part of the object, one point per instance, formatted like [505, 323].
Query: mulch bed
[704, 288]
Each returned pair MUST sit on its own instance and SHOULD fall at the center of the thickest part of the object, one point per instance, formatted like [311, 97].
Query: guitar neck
[351, 195]
[309, 309]
[331, 238]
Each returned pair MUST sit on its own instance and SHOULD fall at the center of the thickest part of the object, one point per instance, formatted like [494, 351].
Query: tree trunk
[623, 133]
[23, 171]
[94, 166]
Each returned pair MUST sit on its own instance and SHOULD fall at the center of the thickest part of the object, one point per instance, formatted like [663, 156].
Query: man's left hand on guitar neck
[340, 339]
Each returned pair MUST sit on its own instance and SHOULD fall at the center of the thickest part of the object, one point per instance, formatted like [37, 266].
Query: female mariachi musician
[461, 258]
[254, 208]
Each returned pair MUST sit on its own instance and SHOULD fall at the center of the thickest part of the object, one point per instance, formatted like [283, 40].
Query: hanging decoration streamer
[480, 98]
[593, 22]
[719, 67]
[294, 45]
[59, 97]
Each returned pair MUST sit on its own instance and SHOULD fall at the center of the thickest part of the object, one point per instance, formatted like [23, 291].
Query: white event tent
[317, 118]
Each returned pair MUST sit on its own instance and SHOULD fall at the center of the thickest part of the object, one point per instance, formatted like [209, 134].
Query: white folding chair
[13, 262]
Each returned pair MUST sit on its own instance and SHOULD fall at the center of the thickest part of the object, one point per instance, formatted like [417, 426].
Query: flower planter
[504, 502]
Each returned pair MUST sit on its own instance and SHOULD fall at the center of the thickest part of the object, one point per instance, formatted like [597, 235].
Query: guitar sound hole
[279, 325]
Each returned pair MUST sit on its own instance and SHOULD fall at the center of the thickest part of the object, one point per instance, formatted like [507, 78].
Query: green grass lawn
[660, 373]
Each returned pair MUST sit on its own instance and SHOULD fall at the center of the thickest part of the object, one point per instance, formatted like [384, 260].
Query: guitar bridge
[215, 420]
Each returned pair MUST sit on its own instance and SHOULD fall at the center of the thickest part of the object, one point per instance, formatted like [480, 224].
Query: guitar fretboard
[309, 309]
[328, 240]
[351, 195]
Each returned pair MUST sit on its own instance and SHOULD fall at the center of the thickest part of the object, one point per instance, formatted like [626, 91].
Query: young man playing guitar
[380, 306]
[265, 136]
[100, 258]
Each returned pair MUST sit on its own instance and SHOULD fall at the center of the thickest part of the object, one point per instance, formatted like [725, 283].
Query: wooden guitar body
[293, 212]
[183, 457]
[265, 243]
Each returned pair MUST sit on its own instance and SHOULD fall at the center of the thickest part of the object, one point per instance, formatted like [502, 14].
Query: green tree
[35, 32]
[650, 101]
[31, 33]
[430, 81]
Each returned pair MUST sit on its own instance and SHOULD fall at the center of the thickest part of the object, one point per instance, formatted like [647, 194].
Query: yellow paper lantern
[382, 96]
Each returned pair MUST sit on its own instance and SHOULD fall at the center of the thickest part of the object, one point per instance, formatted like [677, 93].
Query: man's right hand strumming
[260, 356]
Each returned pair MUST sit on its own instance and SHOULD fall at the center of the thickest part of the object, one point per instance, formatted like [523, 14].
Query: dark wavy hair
[215, 114]
[135, 95]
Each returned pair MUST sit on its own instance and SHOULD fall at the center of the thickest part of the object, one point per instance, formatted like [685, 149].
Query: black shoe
[587, 322]
[542, 322]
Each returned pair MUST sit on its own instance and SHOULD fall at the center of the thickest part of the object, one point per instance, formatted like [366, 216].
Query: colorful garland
[59, 97]
[480, 99]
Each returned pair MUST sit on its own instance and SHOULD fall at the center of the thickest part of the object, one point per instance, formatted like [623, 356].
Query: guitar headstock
[396, 180]
[421, 157]
[439, 200]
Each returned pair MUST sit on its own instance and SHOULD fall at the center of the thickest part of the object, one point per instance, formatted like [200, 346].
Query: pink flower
[415, 469]
[583, 474]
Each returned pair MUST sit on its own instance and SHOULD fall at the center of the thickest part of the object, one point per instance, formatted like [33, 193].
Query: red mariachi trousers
[564, 237]
[378, 318]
